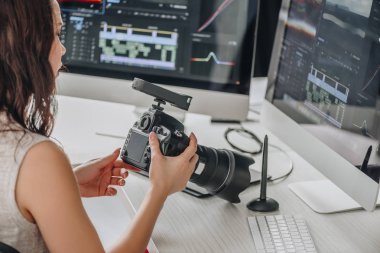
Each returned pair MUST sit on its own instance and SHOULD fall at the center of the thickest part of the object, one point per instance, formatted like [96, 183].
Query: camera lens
[223, 172]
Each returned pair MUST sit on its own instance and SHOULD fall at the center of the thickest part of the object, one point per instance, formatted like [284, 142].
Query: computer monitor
[323, 97]
[200, 48]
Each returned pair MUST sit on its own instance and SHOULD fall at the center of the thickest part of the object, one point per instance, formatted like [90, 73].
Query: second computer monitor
[325, 77]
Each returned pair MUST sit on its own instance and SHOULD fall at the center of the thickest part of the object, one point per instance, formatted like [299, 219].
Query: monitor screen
[190, 43]
[327, 75]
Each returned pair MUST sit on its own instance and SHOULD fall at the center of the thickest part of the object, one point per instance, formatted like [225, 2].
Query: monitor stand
[324, 197]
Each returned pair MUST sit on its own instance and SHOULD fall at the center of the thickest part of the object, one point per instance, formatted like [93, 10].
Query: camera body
[170, 132]
[223, 172]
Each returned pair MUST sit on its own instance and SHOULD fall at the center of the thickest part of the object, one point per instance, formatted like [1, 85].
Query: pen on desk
[110, 135]
[366, 159]
[264, 170]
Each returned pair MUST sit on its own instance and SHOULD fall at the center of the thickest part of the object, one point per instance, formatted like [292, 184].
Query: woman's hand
[96, 177]
[171, 174]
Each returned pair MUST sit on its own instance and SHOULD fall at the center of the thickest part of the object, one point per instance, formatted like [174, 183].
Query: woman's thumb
[154, 143]
[110, 158]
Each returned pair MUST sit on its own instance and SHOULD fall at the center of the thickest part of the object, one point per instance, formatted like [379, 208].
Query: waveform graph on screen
[215, 61]
[373, 80]
[140, 47]
[219, 16]
[83, 6]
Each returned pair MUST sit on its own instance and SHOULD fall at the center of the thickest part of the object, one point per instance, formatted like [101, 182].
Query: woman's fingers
[194, 160]
[120, 164]
[120, 172]
[117, 181]
[110, 191]
[192, 148]
[193, 163]
[103, 162]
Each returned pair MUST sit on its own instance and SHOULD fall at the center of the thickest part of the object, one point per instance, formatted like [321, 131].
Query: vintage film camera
[224, 173]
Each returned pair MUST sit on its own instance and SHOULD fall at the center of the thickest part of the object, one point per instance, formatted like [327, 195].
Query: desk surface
[188, 224]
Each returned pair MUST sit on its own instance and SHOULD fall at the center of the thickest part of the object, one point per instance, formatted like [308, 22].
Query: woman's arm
[47, 193]
[167, 175]
[47, 190]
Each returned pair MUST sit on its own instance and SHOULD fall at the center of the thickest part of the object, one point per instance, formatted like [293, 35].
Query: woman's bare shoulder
[48, 192]
[45, 152]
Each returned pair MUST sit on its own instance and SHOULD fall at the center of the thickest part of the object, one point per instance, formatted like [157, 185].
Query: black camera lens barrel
[225, 173]
[239, 178]
[209, 158]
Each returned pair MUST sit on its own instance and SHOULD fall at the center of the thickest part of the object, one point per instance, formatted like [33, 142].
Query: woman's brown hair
[27, 81]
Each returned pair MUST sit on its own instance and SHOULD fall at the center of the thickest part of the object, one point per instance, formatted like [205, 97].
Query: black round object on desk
[263, 204]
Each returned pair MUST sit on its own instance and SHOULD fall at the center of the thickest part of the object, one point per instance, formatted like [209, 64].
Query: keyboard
[280, 234]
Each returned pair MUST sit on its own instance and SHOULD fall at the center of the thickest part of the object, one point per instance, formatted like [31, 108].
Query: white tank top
[15, 230]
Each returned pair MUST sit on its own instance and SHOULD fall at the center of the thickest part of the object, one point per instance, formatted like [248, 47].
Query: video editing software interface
[329, 70]
[209, 42]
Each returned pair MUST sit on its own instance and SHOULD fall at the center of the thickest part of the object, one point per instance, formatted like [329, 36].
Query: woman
[40, 205]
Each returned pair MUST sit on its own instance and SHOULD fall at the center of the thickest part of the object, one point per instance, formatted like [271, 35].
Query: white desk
[188, 224]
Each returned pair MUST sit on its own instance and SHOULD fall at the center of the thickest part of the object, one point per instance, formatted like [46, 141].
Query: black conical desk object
[263, 204]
